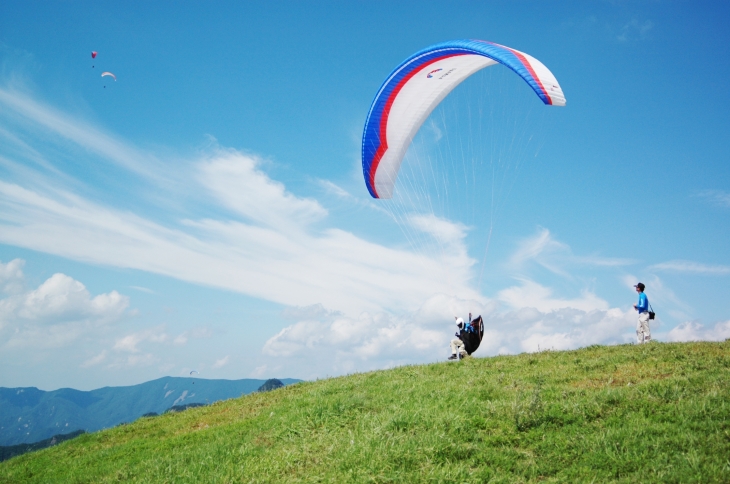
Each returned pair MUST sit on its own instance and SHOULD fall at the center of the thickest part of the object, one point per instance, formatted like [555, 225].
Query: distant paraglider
[194, 371]
[107, 73]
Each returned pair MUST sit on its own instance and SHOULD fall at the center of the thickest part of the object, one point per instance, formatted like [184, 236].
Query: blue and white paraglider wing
[419, 84]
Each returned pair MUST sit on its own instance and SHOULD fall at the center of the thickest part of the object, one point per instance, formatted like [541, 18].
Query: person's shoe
[453, 357]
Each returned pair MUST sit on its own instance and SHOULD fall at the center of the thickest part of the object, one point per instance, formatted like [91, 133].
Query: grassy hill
[652, 413]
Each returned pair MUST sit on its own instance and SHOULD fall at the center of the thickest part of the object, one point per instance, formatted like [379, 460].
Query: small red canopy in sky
[93, 54]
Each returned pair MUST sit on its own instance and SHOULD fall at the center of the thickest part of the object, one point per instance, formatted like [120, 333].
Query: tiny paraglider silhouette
[93, 56]
[191, 374]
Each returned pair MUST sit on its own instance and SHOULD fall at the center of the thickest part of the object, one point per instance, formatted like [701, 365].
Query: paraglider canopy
[419, 84]
[109, 74]
[194, 371]
[93, 54]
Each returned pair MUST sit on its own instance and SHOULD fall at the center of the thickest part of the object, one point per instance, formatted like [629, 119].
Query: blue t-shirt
[643, 305]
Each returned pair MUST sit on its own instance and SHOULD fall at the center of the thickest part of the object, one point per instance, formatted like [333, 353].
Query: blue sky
[207, 210]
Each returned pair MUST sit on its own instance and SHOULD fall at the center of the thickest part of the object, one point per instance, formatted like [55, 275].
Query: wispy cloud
[689, 267]
[143, 289]
[258, 237]
[718, 198]
[81, 133]
[95, 360]
[221, 362]
[543, 249]
[634, 30]
[334, 189]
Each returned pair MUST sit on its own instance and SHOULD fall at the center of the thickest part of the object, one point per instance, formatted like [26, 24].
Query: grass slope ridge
[650, 413]
[28, 415]
[6, 452]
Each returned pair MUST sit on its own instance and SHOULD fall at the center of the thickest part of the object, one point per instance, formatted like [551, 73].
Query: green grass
[652, 413]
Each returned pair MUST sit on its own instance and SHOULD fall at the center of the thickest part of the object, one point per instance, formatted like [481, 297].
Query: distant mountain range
[29, 415]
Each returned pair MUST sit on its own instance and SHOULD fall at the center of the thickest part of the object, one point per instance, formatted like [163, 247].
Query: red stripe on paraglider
[383, 147]
[532, 72]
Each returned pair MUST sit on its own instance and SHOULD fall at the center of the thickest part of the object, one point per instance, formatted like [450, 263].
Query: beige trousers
[457, 345]
[643, 334]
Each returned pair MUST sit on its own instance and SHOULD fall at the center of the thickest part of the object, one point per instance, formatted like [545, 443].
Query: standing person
[643, 334]
[457, 344]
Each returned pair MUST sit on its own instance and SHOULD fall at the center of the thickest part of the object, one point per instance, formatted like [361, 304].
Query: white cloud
[532, 295]
[332, 343]
[315, 311]
[444, 231]
[129, 343]
[685, 266]
[335, 268]
[336, 344]
[57, 312]
[259, 371]
[238, 183]
[257, 237]
[95, 360]
[570, 328]
[11, 276]
[693, 331]
[221, 362]
[133, 360]
[181, 339]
